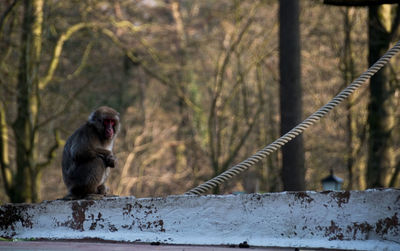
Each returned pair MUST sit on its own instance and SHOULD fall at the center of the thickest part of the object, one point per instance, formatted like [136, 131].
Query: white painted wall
[361, 220]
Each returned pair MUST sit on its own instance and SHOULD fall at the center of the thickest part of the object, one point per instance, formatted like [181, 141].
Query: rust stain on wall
[341, 197]
[132, 213]
[334, 232]
[303, 197]
[388, 224]
[11, 215]
[369, 215]
[357, 231]
[363, 228]
[99, 221]
[79, 209]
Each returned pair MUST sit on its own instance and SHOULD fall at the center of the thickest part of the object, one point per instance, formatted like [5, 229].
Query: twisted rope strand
[300, 128]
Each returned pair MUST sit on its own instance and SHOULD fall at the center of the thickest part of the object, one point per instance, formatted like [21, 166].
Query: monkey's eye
[109, 122]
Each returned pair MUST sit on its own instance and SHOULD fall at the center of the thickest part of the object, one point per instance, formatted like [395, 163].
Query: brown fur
[88, 157]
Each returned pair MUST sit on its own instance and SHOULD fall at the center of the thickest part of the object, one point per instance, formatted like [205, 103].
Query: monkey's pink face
[109, 128]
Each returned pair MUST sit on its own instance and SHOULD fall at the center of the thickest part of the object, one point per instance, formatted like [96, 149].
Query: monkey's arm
[85, 145]
[81, 152]
[109, 159]
[81, 145]
[85, 154]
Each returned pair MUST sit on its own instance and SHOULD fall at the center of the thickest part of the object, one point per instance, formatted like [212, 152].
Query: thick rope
[300, 128]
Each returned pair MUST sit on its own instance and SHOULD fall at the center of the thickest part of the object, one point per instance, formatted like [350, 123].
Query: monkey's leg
[70, 197]
[102, 189]
[85, 178]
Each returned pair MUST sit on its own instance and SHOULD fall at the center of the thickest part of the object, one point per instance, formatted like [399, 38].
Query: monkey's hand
[111, 161]
[108, 158]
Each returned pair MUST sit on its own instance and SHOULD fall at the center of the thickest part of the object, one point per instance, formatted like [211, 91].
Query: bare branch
[242, 140]
[82, 65]
[393, 179]
[395, 29]
[4, 161]
[179, 22]
[126, 24]
[52, 151]
[162, 79]
[6, 13]
[58, 49]
[66, 105]
[219, 80]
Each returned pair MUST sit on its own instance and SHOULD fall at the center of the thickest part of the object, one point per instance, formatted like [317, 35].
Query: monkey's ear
[94, 118]
[92, 115]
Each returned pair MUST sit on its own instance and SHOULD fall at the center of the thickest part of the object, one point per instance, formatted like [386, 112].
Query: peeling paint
[359, 220]
[78, 216]
[359, 230]
[11, 215]
[388, 224]
[96, 221]
[341, 197]
[303, 197]
[334, 232]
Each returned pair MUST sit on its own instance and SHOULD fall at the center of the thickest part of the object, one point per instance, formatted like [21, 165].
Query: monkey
[88, 157]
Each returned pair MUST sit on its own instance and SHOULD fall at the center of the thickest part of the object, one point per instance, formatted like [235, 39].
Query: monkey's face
[109, 129]
[105, 120]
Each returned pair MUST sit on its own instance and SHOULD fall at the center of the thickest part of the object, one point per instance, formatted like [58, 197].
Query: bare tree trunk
[381, 108]
[5, 167]
[25, 131]
[290, 94]
[348, 77]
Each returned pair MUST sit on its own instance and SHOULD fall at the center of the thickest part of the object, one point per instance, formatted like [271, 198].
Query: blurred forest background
[197, 84]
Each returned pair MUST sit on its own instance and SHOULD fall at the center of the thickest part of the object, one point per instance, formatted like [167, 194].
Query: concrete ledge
[360, 220]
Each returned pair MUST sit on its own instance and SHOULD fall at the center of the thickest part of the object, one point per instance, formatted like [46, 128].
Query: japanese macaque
[88, 157]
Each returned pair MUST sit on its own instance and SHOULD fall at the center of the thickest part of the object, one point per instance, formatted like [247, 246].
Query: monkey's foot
[111, 195]
[102, 189]
[87, 197]
[69, 197]
[94, 197]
